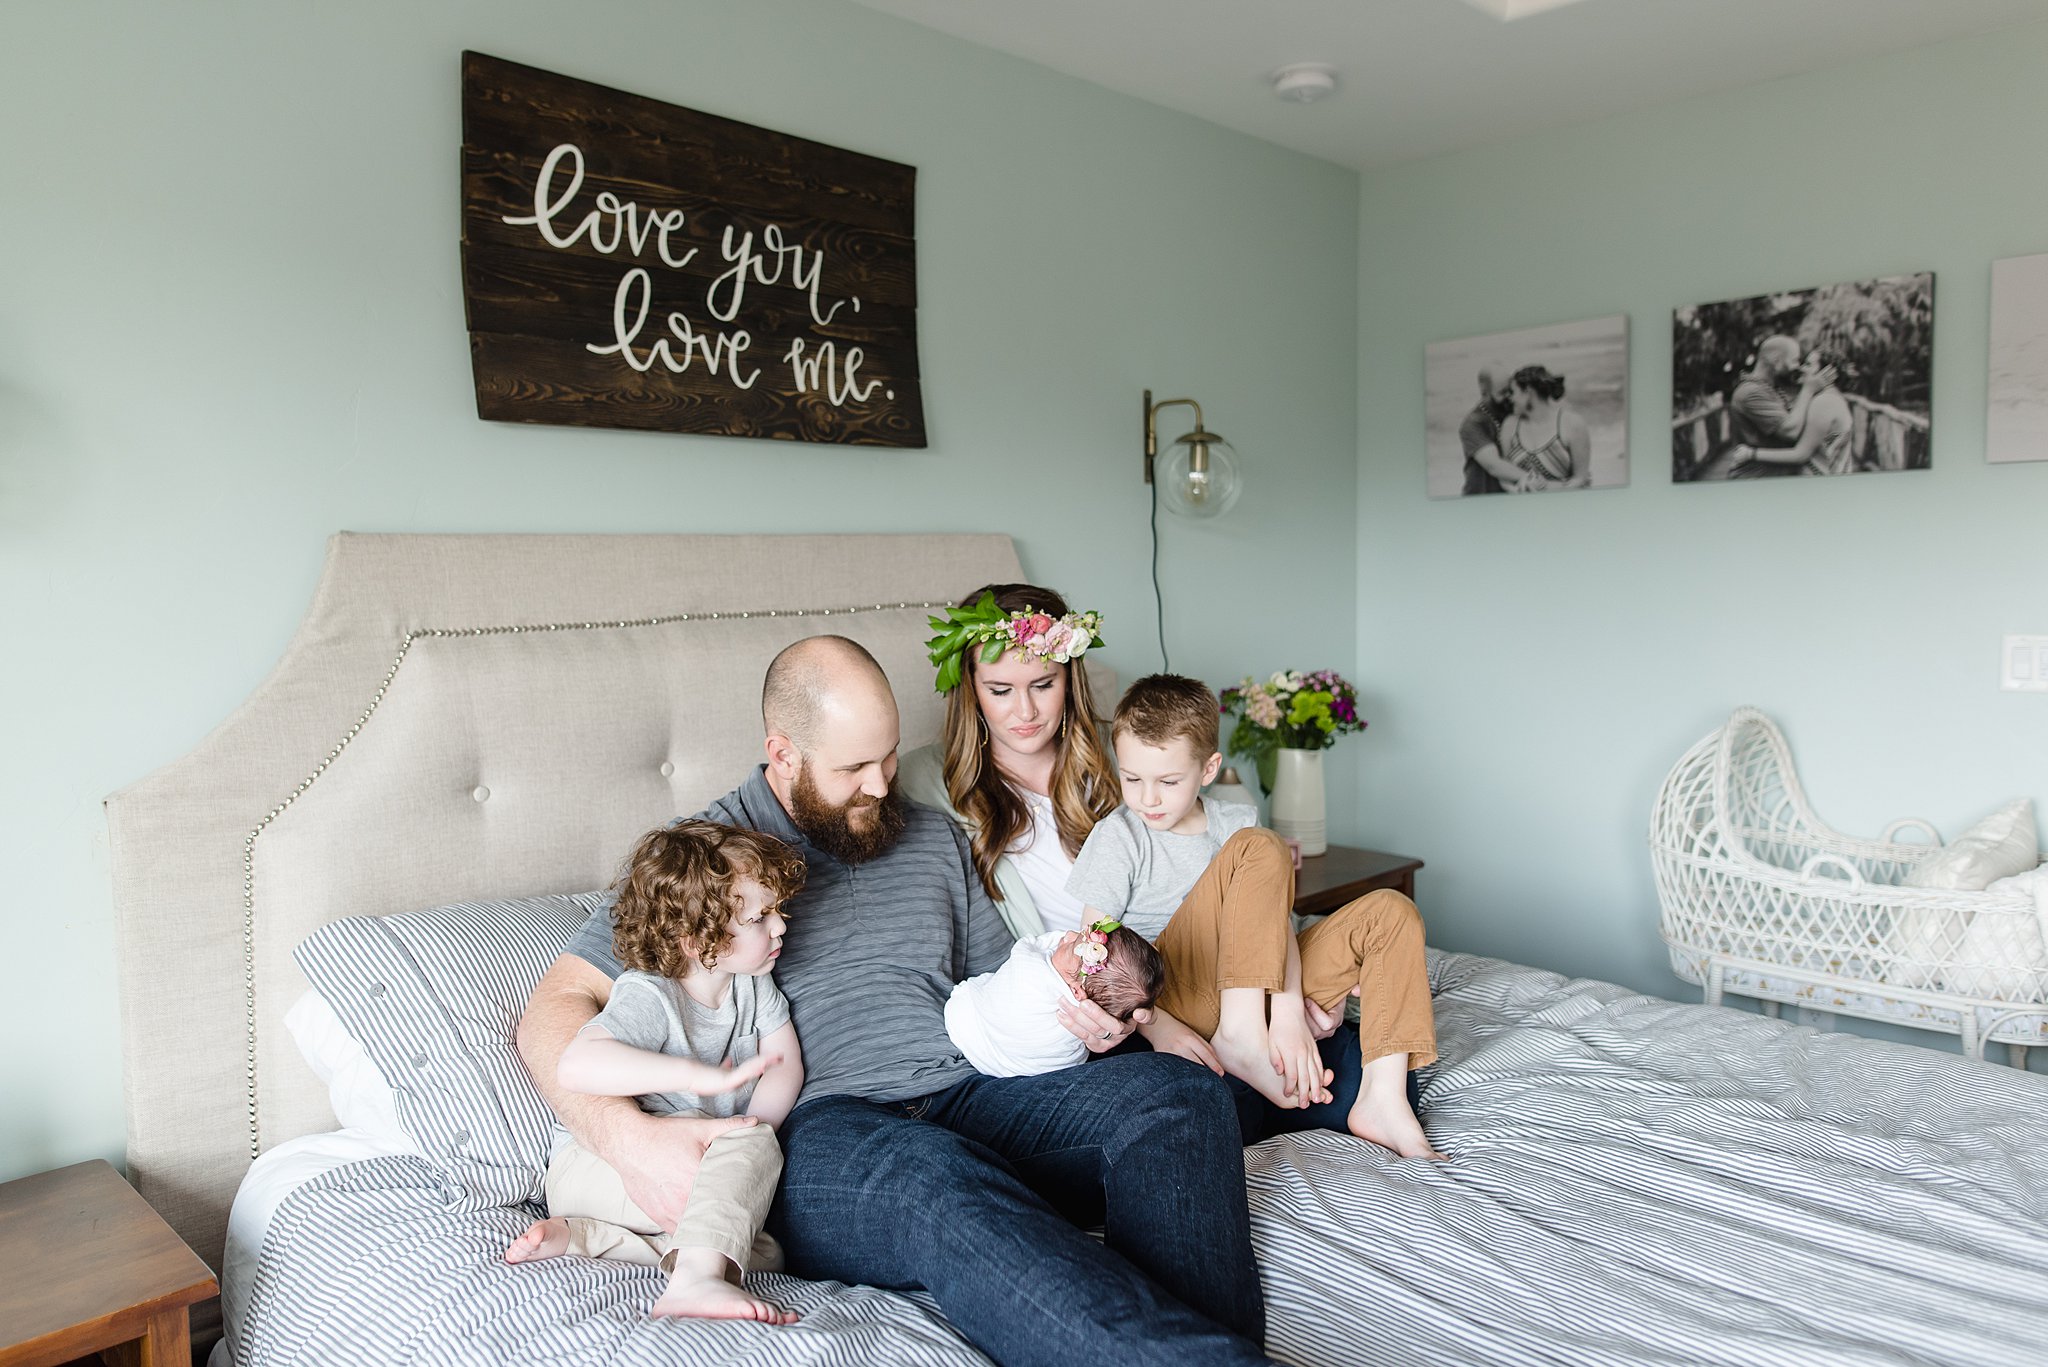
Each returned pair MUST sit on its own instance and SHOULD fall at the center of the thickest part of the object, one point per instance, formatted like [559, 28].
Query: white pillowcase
[1925, 942]
[2004, 956]
[1999, 846]
[358, 1092]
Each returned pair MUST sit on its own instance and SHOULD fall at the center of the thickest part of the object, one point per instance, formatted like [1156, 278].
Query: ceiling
[1420, 77]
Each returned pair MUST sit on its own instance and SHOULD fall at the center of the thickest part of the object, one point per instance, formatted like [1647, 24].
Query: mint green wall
[1538, 664]
[231, 324]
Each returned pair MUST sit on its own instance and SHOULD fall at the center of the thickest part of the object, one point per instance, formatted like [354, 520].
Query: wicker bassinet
[1763, 900]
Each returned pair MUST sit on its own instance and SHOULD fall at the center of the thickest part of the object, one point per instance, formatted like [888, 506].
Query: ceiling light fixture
[1305, 82]
[1507, 11]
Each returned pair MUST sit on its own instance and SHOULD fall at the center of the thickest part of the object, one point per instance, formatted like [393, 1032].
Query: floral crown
[987, 628]
[1093, 947]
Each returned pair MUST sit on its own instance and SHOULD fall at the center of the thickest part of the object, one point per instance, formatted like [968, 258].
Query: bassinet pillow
[433, 996]
[1999, 846]
[1925, 940]
[2004, 956]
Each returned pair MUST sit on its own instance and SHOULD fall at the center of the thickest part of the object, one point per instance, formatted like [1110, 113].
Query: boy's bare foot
[1251, 1060]
[1381, 1116]
[715, 1298]
[543, 1239]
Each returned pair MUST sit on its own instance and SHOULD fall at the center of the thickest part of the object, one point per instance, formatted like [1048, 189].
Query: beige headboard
[458, 717]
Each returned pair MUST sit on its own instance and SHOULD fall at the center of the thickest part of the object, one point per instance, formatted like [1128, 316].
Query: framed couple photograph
[1538, 410]
[1834, 380]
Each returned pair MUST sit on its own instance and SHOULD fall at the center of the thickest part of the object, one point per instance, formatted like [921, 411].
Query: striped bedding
[1631, 1181]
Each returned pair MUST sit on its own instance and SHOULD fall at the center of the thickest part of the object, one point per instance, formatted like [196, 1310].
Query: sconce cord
[1158, 598]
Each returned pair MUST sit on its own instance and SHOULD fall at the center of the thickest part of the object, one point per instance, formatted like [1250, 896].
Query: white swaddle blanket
[1005, 1022]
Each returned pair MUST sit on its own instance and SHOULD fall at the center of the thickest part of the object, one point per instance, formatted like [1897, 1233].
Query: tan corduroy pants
[1231, 931]
[734, 1188]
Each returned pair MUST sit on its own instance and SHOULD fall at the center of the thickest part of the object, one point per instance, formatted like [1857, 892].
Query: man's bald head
[1494, 377]
[815, 678]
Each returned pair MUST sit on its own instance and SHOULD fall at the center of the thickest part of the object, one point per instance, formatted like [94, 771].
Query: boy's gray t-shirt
[651, 1012]
[1141, 876]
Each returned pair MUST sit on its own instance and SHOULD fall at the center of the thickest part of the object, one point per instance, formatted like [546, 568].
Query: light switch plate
[2023, 664]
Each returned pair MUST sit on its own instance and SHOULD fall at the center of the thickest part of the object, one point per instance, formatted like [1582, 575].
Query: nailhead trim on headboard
[405, 646]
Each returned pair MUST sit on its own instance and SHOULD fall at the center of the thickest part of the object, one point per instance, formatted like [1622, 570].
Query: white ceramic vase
[1298, 807]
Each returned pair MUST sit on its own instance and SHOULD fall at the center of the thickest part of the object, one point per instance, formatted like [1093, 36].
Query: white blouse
[1042, 862]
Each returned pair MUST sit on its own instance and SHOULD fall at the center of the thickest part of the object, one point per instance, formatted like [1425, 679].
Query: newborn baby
[1006, 1022]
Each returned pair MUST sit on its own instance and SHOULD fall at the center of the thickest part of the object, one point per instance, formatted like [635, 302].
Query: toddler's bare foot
[543, 1239]
[1381, 1116]
[1251, 1060]
[714, 1298]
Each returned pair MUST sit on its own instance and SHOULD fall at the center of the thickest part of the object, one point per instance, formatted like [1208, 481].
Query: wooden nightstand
[91, 1267]
[1340, 874]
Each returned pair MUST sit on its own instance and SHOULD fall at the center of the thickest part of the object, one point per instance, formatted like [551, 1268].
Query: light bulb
[1198, 476]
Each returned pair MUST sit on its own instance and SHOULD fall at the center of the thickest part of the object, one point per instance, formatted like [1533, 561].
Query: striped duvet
[1631, 1181]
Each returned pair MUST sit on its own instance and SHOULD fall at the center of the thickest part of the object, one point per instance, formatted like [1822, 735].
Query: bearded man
[903, 1167]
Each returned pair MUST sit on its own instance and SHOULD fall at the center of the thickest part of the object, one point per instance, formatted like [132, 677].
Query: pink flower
[1037, 624]
[1262, 709]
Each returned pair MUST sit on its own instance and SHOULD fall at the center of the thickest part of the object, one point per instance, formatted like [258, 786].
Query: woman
[1022, 766]
[1546, 440]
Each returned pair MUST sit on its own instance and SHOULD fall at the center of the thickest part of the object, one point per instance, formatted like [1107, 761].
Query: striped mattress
[1631, 1181]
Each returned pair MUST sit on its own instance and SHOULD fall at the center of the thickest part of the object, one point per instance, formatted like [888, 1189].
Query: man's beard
[831, 827]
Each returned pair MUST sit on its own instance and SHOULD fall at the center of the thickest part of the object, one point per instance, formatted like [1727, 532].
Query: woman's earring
[981, 725]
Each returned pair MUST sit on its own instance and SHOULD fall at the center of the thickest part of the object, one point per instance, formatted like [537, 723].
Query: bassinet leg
[1768, 1007]
[1715, 974]
[2016, 1055]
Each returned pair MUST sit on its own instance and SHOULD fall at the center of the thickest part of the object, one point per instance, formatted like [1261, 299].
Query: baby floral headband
[1093, 947]
[988, 629]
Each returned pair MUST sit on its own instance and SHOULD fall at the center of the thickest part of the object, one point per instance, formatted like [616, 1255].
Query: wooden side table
[1342, 874]
[91, 1268]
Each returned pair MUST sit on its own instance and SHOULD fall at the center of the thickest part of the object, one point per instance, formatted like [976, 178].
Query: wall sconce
[1198, 476]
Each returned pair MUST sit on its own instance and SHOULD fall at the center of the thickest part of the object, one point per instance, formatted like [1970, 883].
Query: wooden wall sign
[629, 263]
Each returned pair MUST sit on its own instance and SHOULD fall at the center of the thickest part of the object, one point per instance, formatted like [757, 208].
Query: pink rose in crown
[1058, 638]
[1037, 624]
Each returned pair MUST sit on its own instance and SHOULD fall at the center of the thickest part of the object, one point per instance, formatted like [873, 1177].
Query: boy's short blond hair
[1160, 708]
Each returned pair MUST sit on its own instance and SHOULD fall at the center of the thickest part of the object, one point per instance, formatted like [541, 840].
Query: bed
[482, 722]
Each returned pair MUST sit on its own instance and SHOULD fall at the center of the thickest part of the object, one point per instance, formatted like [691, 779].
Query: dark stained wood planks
[678, 271]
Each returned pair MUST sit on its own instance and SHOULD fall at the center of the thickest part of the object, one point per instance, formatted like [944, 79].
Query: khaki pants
[730, 1199]
[1231, 931]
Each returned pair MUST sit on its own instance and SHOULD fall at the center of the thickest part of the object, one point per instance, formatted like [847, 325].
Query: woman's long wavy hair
[1084, 787]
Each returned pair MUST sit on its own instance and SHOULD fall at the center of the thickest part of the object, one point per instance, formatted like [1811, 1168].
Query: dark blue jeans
[973, 1194]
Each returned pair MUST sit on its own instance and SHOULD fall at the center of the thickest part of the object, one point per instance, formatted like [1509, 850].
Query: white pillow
[360, 1096]
[1924, 942]
[1999, 846]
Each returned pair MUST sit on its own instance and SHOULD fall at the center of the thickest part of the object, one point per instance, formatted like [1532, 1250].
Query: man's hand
[1095, 1027]
[1169, 1035]
[1819, 380]
[658, 1157]
[1323, 1024]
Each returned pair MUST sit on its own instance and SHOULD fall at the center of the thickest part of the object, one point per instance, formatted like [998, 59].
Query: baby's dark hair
[1130, 977]
[1540, 382]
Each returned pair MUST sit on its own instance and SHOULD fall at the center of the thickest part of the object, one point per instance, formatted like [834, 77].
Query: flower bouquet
[1289, 711]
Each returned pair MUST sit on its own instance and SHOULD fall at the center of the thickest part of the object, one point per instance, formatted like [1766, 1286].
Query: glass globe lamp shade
[1198, 475]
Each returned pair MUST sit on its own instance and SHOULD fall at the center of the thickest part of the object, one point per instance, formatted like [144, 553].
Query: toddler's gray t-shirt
[1141, 876]
[651, 1012]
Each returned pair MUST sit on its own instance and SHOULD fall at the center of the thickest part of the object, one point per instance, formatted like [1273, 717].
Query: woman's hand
[1095, 1027]
[1167, 1035]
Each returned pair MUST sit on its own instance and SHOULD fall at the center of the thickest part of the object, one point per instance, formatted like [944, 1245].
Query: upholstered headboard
[458, 717]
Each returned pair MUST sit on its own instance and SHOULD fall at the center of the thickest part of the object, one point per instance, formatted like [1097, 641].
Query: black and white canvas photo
[1529, 411]
[1827, 381]
[2016, 422]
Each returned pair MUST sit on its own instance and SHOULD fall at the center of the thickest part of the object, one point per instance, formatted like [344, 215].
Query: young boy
[1214, 893]
[695, 1027]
